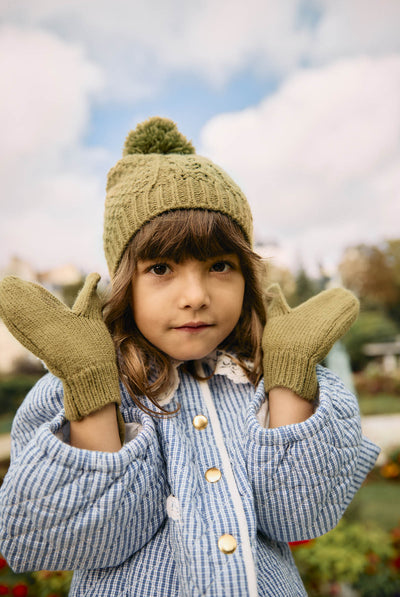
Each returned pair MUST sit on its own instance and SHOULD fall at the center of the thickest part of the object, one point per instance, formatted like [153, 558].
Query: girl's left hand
[295, 340]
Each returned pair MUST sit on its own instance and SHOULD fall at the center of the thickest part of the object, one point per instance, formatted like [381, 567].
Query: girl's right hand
[74, 344]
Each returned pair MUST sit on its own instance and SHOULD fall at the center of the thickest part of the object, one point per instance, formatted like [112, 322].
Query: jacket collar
[220, 362]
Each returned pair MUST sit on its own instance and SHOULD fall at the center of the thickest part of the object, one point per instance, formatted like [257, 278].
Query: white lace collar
[222, 363]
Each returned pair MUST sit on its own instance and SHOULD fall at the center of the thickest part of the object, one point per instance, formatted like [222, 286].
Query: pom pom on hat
[157, 135]
[160, 172]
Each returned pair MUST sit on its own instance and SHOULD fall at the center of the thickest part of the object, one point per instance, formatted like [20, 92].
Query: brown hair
[178, 235]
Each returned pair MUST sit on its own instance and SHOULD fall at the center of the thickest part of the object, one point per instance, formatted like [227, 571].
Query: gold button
[227, 544]
[213, 474]
[200, 422]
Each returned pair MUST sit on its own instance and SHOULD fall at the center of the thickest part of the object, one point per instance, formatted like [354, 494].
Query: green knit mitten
[75, 344]
[296, 340]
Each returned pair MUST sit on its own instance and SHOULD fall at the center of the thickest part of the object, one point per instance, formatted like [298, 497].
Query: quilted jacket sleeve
[305, 475]
[62, 508]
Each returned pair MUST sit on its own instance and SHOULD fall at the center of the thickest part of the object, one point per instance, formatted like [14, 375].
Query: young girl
[187, 434]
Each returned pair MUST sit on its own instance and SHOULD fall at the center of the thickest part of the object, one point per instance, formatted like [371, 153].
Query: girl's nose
[194, 294]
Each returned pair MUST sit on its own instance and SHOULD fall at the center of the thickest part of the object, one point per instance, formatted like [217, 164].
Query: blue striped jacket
[189, 506]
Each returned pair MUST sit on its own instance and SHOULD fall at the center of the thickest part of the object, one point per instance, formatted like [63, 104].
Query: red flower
[3, 590]
[396, 563]
[20, 591]
[396, 534]
[335, 589]
[296, 543]
[3, 563]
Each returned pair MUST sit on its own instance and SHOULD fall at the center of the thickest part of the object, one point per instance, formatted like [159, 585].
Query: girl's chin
[188, 355]
[191, 357]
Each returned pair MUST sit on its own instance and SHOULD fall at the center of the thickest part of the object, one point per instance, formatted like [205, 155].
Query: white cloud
[218, 39]
[320, 159]
[140, 45]
[46, 89]
[65, 228]
[49, 191]
[352, 28]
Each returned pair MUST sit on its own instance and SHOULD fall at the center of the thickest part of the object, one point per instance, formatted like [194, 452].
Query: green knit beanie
[161, 172]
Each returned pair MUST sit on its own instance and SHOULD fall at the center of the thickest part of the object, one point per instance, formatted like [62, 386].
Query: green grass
[379, 404]
[377, 501]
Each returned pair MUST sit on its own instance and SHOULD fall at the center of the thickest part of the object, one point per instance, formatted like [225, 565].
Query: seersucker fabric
[145, 522]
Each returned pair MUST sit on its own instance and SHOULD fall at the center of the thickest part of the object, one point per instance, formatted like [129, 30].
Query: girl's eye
[221, 267]
[159, 269]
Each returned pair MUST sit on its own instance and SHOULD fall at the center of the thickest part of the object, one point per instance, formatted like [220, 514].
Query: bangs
[178, 235]
[183, 234]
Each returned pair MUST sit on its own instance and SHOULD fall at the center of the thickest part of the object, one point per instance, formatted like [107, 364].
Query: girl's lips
[193, 326]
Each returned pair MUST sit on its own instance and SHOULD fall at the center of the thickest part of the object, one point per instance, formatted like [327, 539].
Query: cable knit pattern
[146, 522]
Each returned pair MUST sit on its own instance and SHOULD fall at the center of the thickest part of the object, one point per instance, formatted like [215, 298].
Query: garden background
[299, 102]
[361, 557]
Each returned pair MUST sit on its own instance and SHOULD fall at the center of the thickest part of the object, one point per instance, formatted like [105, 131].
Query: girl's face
[187, 309]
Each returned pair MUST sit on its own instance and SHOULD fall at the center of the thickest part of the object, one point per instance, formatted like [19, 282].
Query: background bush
[13, 390]
[360, 555]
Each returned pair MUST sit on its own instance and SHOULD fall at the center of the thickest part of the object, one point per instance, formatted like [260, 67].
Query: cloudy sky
[298, 100]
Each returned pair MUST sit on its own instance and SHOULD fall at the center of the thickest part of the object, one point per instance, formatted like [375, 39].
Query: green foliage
[13, 390]
[6, 422]
[350, 554]
[342, 554]
[305, 288]
[376, 501]
[378, 404]
[383, 585]
[371, 326]
[52, 583]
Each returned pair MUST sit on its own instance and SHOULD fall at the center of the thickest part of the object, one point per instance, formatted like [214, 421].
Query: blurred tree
[373, 273]
[305, 288]
[393, 258]
[365, 270]
[280, 275]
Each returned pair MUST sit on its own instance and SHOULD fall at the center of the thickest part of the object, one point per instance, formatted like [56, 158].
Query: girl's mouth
[193, 326]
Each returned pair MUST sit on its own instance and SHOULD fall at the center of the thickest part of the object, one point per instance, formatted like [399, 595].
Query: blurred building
[387, 354]
[13, 356]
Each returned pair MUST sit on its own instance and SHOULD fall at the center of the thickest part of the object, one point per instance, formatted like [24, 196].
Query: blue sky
[298, 100]
[186, 99]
